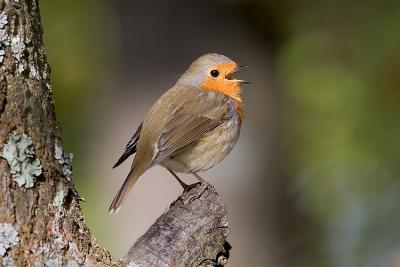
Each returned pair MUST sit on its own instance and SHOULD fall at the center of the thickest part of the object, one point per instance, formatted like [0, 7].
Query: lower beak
[241, 81]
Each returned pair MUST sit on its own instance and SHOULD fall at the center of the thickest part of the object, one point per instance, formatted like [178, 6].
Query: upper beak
[240, 68]
[236, 70]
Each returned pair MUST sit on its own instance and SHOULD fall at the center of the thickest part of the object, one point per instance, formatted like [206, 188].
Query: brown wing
[130, 147]
[186, 128]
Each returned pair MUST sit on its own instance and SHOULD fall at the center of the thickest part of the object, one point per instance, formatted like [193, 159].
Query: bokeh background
[314, 179]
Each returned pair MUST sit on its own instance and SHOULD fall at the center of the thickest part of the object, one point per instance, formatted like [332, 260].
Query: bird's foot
[193, 192]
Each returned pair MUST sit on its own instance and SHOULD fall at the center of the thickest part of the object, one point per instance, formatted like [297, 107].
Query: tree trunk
[41, 223]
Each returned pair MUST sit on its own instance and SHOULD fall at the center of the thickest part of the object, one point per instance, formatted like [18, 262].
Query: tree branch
[192, 232]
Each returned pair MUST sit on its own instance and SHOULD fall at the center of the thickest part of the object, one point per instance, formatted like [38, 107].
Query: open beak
[236, 70]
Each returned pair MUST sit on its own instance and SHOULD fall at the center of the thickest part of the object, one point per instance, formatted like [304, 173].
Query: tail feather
[123, 191]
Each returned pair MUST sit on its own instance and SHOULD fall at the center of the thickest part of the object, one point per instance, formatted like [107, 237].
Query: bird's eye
[214, 73]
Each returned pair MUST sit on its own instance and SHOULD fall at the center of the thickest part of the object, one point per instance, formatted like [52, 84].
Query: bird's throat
[227, 87]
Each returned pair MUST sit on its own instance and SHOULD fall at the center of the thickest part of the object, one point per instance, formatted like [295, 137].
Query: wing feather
[130, 147]
[186, 128]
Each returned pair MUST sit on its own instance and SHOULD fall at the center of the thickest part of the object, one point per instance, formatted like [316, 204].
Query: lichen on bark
[8, 237]
[20, 155]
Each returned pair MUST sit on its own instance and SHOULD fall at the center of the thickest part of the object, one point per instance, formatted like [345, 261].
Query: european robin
[193, 126]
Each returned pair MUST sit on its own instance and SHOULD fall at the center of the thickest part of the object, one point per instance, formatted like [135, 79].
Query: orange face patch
[223, 85]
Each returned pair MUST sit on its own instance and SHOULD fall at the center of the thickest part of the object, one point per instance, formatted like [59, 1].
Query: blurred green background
[314, 179]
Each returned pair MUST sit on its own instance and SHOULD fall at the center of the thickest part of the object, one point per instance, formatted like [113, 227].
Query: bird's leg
[185, 186]
[201, 180]
[202, 188]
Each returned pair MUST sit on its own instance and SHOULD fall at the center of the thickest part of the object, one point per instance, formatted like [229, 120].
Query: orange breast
[229, 88]
[240, 110]
[226, 86]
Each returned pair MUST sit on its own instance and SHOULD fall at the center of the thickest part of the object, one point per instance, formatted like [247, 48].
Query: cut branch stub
[192, 232]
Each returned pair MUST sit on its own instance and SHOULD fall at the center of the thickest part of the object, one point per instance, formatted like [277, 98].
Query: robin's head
[214, 72]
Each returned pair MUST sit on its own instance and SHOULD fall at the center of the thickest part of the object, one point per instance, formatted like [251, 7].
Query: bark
[192, 232]
[41, 223]
[40, 219]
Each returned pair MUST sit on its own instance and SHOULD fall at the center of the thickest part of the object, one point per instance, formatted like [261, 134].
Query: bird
[193, 126]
